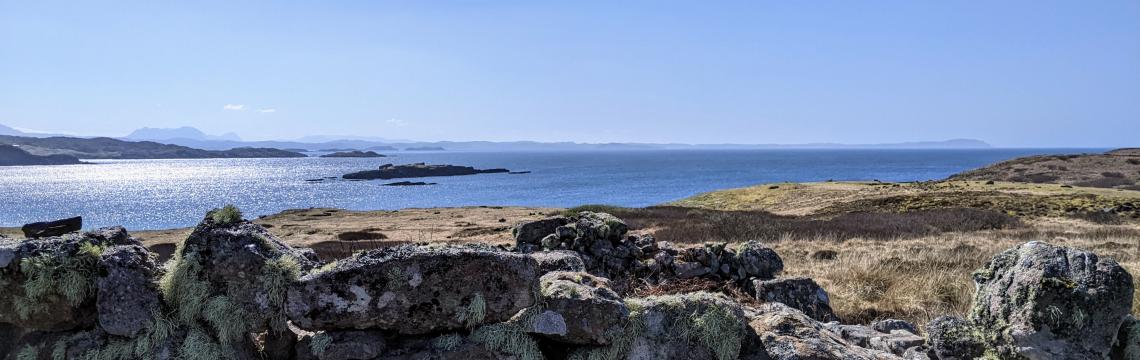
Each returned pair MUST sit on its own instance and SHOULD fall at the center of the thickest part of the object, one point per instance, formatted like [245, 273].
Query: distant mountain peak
[185, 132]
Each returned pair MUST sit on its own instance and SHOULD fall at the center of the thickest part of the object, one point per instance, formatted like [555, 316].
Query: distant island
[14, 156]
[354, 154]
[425, 148]
[389, 171]
[108, 148]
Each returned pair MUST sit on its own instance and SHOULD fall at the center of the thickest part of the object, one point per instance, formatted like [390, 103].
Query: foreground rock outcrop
[1040, 301]
[233, 291]
[415, 290]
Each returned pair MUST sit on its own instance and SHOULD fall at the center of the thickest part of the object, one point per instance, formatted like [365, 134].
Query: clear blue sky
[1014, 73]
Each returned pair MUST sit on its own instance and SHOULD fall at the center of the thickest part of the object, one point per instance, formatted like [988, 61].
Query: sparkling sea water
[160, 194]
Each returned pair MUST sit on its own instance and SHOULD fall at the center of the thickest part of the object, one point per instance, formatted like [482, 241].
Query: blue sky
[1014, 73]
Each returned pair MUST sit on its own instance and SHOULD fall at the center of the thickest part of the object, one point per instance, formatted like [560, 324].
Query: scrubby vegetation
[228, 214]
[688, 225]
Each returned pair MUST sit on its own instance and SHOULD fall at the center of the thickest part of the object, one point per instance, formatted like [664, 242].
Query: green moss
[228, 214]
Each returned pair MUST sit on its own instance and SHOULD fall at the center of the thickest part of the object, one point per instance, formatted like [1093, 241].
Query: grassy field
[828, 198]
[879, 265]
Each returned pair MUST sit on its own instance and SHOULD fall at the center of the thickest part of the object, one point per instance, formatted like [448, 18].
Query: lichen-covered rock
[229, 279]
[558, 260]
[528, 236]
[1127, 340]
[578, 308]
[341, 345]
[491, 342]
[953, 338]
[689, 326]
[9, 336]
[785, 333]
[1042, 301]
[888, 325]
[128, 296]
[895, 341]
[800, 293]
[50, 283]
[753, 259]
[416, 290]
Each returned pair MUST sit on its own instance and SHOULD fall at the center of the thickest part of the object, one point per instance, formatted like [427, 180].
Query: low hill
[14, 156]
[834, 198]
[1114, 169]
[108, 148]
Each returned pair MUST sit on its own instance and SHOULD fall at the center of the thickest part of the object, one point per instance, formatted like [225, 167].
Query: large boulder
[229, 279]
[52, 228]
[689, 326]
[753, 259]
[1041, 301]
[800, 293]
[416, 290]
[128, 297]
[1127, 340]
[578, 308]
[785, 333]
[50, 283]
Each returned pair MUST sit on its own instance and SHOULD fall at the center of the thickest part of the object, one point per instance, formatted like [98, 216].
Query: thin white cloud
[270, 110]
[396, 122]
[234, 107]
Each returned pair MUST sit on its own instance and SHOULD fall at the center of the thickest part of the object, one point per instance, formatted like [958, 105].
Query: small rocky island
[15, 156]
[389, 171]
[354, 154]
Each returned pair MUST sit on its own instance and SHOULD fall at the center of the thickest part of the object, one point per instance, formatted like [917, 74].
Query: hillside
[833, 198]
[108, 148]
[14, 156]
[1114, 169]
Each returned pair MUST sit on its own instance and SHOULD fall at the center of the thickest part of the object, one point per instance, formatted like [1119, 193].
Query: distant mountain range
[108, 148]
[191, 142]
[322, 143]
[185, 132]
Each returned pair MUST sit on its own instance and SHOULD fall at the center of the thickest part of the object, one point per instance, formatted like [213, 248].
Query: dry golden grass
[920, 279]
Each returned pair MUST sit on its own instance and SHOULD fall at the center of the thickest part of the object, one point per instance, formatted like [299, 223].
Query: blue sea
[161, 194]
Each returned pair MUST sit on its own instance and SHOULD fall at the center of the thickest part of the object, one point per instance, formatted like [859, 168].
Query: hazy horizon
[1013, 74]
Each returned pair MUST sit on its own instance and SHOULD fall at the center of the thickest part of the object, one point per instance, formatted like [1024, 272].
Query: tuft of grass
[275, 277]
[319, 343]
[28, 352]
[475, 312]
[228, 319]
[508, 338]
[182, 287]
[70, 276]
[199, 346]
[226, 215]
[447, 342]
[720, 331]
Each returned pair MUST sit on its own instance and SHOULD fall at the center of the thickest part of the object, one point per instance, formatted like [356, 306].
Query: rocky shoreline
[235, 291]
[390, 171]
